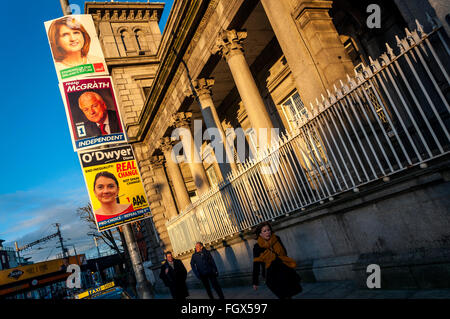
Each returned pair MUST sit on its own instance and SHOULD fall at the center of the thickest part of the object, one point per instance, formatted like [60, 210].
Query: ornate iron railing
[388, 118]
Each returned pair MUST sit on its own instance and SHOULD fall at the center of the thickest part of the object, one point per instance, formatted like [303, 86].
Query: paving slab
[321, 290]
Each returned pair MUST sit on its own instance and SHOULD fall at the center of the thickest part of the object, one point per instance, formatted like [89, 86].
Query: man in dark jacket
[205, 269]
[173, 274]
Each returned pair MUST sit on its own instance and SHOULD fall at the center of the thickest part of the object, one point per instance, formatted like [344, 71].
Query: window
[208, 157]
[146, 90]
[144, 82]
[294, 109]
[375, 97]
[126, 40]
[212, 176]
[352, 50]
[252, 140]
[141, 41]
[314, 147]
[231, 140]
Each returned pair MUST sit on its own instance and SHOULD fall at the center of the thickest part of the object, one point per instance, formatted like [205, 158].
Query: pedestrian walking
[270, 254]
[205, 269]
[173, 274]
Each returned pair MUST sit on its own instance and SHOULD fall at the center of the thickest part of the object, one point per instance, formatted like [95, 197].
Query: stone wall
[129, 83]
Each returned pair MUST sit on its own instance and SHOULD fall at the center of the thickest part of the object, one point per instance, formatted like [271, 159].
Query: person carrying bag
[269, 252]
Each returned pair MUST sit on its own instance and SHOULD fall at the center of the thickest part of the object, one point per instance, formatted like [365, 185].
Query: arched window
[126, 40]
[140, 40]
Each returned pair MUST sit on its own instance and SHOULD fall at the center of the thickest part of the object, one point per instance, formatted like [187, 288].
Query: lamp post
[96, 245]
[142, 285]
[65, 7]
[75, 252]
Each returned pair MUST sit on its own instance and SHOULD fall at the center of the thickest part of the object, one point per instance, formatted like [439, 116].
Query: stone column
[229, 45]
[155, 199]
[203, 92]
[174, 172]
[311, 45]
[157, 164]
[181, 120]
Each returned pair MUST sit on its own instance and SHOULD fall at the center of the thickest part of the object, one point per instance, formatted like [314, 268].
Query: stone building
[360, 145]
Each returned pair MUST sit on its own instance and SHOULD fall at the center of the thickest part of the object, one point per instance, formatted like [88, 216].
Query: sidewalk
[322, 290]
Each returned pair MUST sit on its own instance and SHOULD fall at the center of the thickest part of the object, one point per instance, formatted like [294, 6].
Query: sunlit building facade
[328, 118]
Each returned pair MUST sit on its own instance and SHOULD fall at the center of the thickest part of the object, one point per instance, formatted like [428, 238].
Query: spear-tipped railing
[388, 118]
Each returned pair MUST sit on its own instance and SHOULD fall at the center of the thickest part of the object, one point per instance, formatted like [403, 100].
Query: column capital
[165, 144]
[203, 86]
[181, 119]
[157, 161]
[229, 43]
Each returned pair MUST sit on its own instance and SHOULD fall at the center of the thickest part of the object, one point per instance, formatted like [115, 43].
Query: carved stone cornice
[125, 12]
[201, 27]
[229, 43]
[181, 119]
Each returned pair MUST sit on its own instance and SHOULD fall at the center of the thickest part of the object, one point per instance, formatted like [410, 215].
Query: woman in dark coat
[270, 254]
[173, 274]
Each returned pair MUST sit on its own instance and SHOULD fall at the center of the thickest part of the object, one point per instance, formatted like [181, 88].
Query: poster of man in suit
[92, 112]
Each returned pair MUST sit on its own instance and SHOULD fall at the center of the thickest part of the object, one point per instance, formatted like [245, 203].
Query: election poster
[92, 112]
[75, 47]
[115, 187]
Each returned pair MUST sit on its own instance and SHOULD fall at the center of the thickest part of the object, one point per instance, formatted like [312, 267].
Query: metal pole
[76, 256]
[64, 251]
[65, 7]
[96, 245]
[18, 253]
[142, 285]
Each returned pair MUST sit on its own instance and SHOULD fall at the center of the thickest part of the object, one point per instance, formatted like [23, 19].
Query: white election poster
[75, 47]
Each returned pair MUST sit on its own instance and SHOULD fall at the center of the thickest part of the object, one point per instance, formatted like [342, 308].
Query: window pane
[213, 180]
[298, 103]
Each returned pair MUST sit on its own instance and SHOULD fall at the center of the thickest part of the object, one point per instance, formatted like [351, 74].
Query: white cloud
[29, 215]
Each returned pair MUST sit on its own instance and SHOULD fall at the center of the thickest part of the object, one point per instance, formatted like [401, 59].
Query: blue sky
[42, 182]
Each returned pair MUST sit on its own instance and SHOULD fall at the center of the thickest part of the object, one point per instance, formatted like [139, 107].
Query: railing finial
[390, 51]
[351, 81]
[359, 77]
[401, 44]
[420, 29]
[376, 65]
[410, 37]
[367, 72]
[325, 103]
[338, 94]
